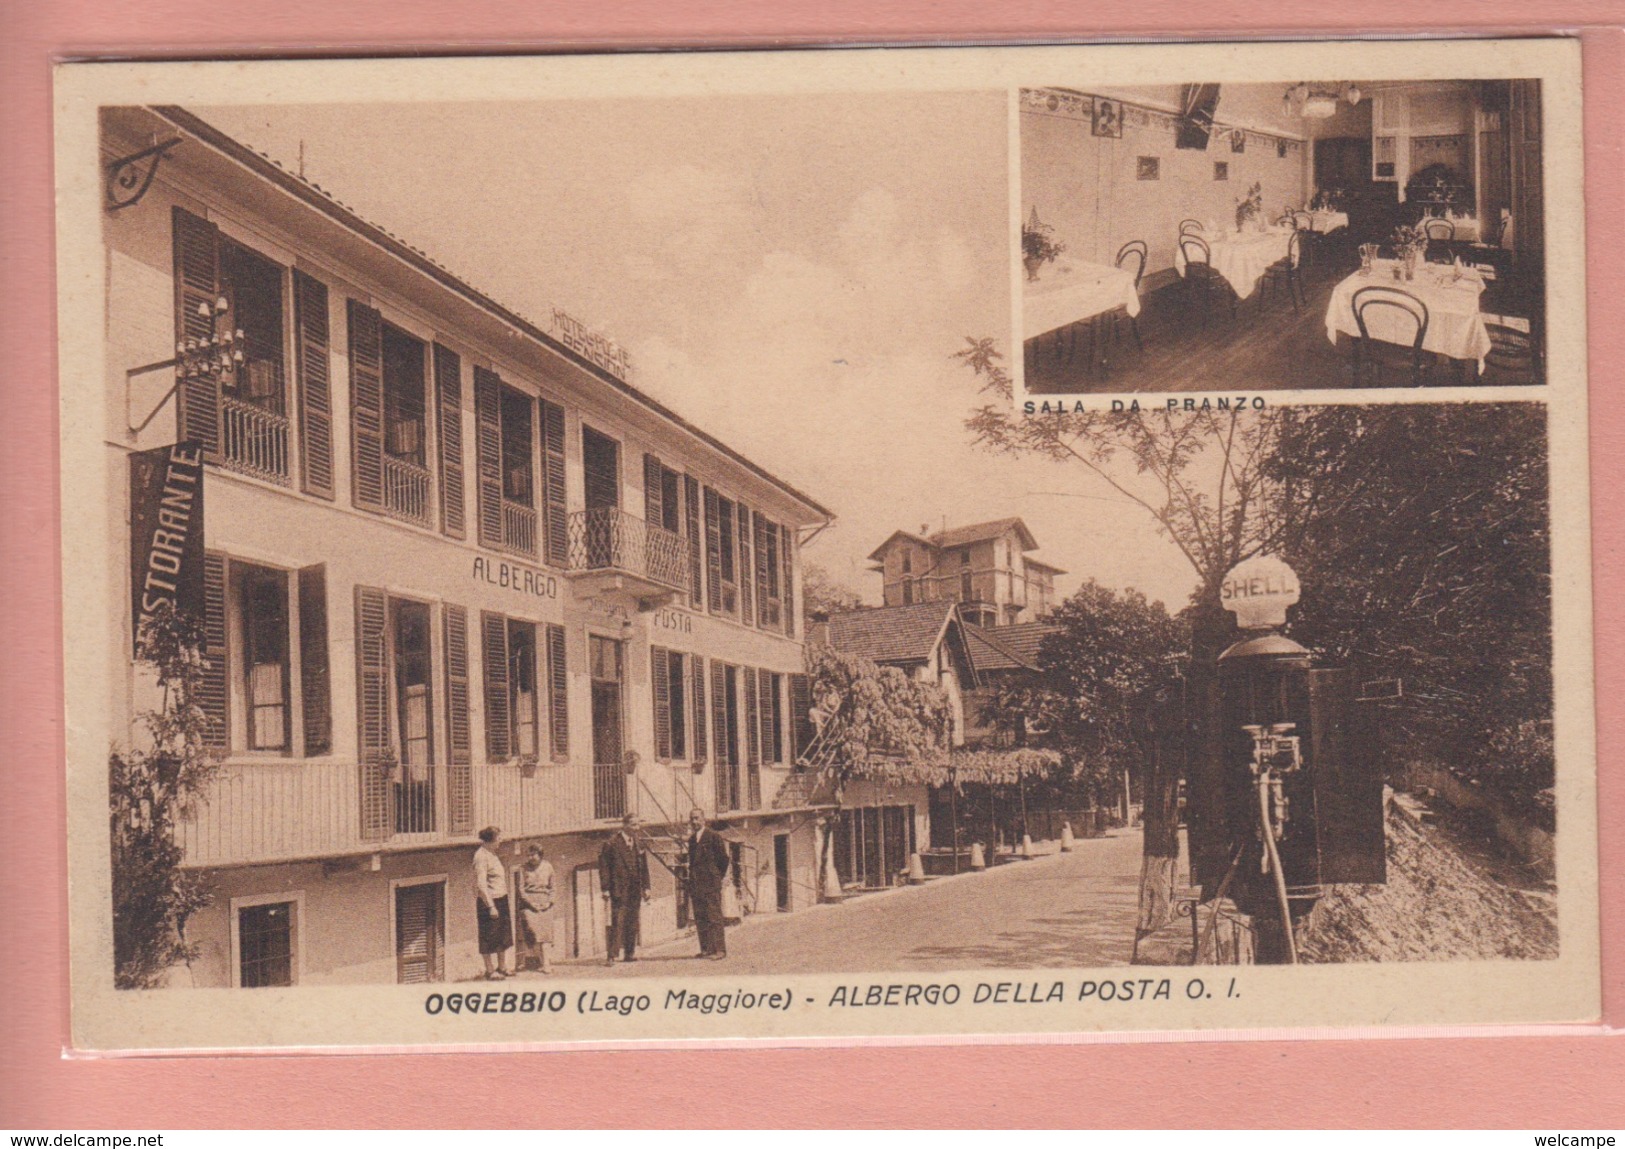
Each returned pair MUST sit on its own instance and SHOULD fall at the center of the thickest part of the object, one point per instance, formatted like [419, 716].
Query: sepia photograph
[1370, 234]
[589, 547]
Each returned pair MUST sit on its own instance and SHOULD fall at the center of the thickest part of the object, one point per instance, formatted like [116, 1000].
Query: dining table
[1325, 222]
[1241, 257]
[1456, 327]
[1068, 291]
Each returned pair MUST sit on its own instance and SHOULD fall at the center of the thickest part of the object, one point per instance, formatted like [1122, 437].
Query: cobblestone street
[1057, 911]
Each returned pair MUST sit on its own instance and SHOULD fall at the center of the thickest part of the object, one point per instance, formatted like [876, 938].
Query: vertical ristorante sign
[166, 530]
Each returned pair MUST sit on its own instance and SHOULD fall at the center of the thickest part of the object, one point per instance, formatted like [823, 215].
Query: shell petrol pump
[1294, 801]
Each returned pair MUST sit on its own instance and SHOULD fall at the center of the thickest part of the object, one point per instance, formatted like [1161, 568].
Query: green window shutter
[696, 541]
[697, 708]
[366, 406]
[315, 681]
[448, 385]
[494, 647]
[488, 449]
[372, 710]
[744, 568]
[213, 693]
[197, 286]
[556, 525]
[653, 501]
[786, 585]
[312, 346]
[713, 551]
[558, 694]
[660, 688]
[459, 773]
[801, 725]
[753, 739]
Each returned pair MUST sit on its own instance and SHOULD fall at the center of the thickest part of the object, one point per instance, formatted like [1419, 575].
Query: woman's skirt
[536, 926]
[496, 930]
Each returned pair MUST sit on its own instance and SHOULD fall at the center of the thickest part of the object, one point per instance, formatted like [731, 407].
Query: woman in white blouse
[491, 905]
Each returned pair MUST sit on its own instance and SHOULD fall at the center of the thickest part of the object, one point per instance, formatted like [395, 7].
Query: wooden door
[420, 933]
[590, 921]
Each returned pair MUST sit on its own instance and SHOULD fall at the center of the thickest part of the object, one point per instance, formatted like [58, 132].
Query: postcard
[894, 544]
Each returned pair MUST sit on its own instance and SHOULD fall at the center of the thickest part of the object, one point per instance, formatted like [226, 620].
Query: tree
[1436, 571]
[150, 790]
[1204, 478]
[822, 596]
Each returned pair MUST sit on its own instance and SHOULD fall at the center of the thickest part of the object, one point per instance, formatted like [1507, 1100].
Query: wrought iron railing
[414, 800]
[607, 538]
[406, 490]
[519, 528]
[254, 440]
[608, 790]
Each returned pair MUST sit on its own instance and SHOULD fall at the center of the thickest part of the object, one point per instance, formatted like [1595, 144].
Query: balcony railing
[609, 782]
[519, 528]
[609, 539]
[254, 440]
[406, 490]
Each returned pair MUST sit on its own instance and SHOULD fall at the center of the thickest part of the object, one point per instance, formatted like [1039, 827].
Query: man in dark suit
[623, 875]
[707, 867]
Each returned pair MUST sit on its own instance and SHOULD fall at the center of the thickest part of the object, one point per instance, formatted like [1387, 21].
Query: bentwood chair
[1406, 311]
[1189, 226]
[1134, 254]
[1304, 223]
[1285, 269]
[1437, 227]
[1201, 281]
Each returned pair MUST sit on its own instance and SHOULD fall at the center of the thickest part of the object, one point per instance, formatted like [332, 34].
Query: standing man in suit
[707, 867]
[623, 874]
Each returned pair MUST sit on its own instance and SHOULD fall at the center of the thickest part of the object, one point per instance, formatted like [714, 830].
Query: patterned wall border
[1067, 104]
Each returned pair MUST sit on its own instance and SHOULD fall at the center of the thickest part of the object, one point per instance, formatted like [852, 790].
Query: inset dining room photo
[1319, 234]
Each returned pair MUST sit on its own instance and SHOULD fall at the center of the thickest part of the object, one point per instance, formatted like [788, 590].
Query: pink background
[1567, 1081]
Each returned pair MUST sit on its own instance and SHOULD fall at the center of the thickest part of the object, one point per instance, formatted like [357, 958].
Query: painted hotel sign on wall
[166, 531]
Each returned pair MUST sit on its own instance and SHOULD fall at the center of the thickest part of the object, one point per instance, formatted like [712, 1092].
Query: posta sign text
[1258, 591]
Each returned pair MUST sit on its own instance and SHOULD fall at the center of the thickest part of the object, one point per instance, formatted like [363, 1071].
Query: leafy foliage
[150, 790]
[881, 723]
[1435, 570]
[822, 596]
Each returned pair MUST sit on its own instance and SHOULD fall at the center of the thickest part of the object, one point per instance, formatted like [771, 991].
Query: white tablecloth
[1328, 221]
[1455, 326]
[1242, 258]
[1069, 290]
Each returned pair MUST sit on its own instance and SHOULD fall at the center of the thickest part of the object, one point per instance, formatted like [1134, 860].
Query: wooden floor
[1266, 347]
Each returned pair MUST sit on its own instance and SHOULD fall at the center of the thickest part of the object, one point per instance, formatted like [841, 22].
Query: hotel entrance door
[608, 744]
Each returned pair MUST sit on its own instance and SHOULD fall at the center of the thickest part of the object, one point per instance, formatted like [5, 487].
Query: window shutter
[653, 502]
[660, 672]
[312, 346]
[494, 646]
[801, 725]
[367, 405]
[213, 695]
[459, 773]
[488, 448]
[448, 385]
[557, 524]
[786, 581]
[725, 756]
[713, 551]
[761, 540]
[316, 688]
[372, 709]
[745, 568]
[418, 949]
[753, 740]
[558, 694]
[768, 690]
[696, 544]
[697, 709]
[197, 285]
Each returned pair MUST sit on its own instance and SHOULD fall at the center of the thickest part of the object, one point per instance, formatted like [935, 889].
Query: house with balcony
[457, 571]
[987, 568]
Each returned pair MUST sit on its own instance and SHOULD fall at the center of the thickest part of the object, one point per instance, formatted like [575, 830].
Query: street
[1054, 912]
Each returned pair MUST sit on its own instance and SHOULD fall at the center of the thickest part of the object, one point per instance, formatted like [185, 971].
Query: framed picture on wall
[1147, 168]
[1238, 141]
[1221, 170]
[1109, 119]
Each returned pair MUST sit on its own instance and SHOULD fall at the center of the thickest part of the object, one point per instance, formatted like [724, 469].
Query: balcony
[254, 440]
[614, 552]
[406, 490]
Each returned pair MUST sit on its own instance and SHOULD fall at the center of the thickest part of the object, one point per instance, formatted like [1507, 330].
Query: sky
[793, 274]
